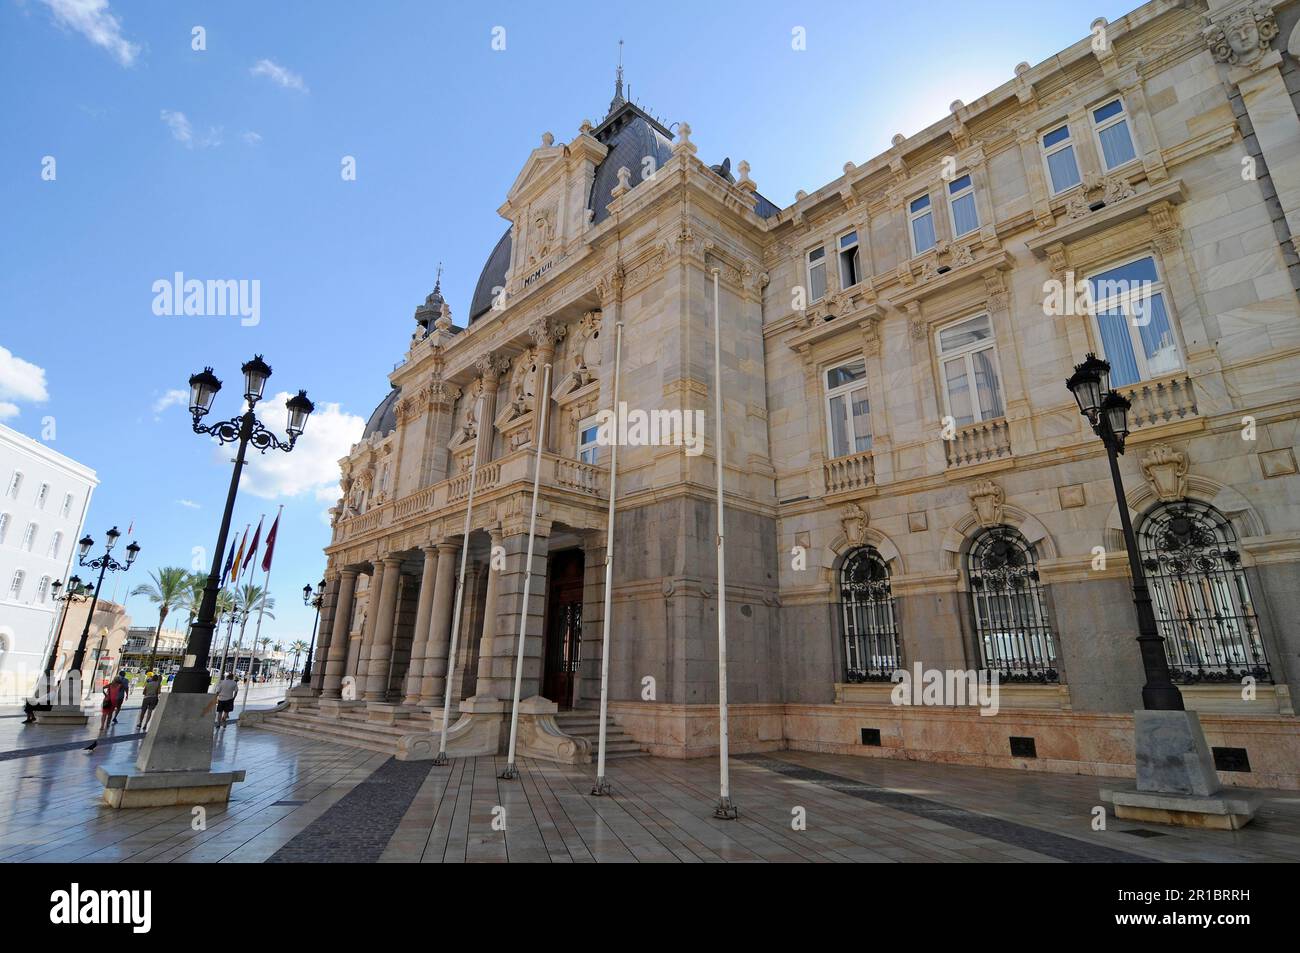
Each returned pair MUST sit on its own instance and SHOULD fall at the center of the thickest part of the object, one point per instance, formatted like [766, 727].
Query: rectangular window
[15, 483]
[43, 589]
[850, 262]
[1137, 337]
[29, 537]
[67, 505]
[16, 584]
[4, 526]
[588, 447]
[961, 205]
[56, 543]
[1062, 167]
[921, 224]
[848, 409]
[1110, 122]
[42, 495]
[816, 275]
[969, 366]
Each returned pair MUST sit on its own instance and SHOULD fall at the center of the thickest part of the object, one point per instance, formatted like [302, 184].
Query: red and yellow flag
[239, 555]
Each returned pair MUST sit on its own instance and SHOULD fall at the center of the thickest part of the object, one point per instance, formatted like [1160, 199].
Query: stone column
[324, 633]
[381, 643]
[488, 638]
[546, 333]
[420, 640]
[490, 366]
[358, 663]
[433, 679]
[338, 646]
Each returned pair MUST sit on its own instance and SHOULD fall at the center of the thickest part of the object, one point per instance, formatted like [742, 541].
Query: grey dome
[384, 420]
[492, 276]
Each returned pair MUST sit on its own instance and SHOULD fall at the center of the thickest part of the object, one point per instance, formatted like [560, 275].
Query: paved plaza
[312, 801]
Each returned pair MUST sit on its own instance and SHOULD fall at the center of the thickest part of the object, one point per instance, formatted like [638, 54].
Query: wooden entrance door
[562, 637]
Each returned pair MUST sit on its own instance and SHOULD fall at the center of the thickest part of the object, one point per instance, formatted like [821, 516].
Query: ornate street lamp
[1107, 412]
[245, 429]
[104, 563]
[316, 599]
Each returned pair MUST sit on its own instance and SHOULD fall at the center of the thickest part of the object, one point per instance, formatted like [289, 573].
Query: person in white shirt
[227, 689]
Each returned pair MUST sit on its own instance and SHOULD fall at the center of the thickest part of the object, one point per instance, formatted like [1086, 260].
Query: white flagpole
[725, 810]
[602, 785]
[510, 773]
[460, 589]
[261, 607]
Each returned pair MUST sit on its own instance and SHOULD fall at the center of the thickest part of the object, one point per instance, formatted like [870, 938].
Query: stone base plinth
[386, 713]
[302, 691]
[1172, 756]
[540, 736]
[476, 732]
[1228, 810]
[62, 715]
[131, 787]
[332, 707]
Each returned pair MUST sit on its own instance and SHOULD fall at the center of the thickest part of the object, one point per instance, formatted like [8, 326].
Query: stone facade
[1183, 164]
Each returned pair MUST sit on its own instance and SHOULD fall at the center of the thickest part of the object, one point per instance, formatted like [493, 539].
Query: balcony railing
[980, 442]
[558, 473]
[1161, 401]
[855, 472]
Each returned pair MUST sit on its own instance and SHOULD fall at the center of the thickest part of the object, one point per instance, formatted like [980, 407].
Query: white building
[43, 501]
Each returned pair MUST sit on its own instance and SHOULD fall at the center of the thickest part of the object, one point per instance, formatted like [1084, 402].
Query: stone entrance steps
[354, 728]
[586, 724]
[351, 728]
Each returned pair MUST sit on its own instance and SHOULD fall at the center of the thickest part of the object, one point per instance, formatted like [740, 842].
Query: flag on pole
[252, 550]
[239, 556]
[230, 561]
[270, 544]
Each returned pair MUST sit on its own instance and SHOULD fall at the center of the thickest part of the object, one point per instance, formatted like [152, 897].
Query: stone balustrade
[559, 473]
[980, 442]
[1161, 401]
[854, 472]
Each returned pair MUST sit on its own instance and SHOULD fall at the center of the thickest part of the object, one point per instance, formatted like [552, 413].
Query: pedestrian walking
[121, 698]
[227, 689]
[111, 703]
[149, 700]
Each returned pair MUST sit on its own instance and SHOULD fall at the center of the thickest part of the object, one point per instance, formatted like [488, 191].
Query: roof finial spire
[618, 99]
[437, 284]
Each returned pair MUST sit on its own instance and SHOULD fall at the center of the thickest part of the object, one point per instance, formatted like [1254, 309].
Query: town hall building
[907, 481]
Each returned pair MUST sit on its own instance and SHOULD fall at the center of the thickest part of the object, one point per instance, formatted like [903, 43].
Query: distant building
[43, 501]
[139, 645]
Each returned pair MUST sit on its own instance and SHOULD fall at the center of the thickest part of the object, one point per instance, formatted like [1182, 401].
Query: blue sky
[225, 164]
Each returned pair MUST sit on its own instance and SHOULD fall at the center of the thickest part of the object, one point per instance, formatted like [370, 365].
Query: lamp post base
[726, 810]
[1176, 779]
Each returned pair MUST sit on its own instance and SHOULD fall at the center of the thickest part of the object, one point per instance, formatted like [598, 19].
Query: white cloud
[313, 466]
[20, 381]
[93, 20]
[183, 131]
[188, 504]
[250, 137]
[278, 75]
[170, 399]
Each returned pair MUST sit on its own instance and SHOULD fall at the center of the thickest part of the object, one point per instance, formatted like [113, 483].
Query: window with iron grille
[1200, 594]
[870, 625]
[1008, 608]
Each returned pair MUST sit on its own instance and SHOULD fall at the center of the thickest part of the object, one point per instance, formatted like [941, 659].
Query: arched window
[1200, 594]
[42, 589]
[56, 542]
[869, 623]
[1007, 605]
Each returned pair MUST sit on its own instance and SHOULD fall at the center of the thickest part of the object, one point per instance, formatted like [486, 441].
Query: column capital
[392, 560]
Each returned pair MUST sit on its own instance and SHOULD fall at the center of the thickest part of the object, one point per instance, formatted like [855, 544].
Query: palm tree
[193, 600]
[248, 599]
[297, 647]
[167, 591]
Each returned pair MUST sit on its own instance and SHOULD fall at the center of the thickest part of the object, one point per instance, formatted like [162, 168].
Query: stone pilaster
[496, 672]
[488, 637]
[491, 367]
[338, 646]
[324, 632]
